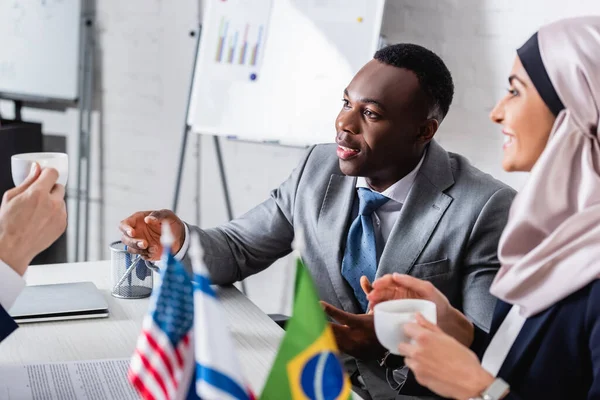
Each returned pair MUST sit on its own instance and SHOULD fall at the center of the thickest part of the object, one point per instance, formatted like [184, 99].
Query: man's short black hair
[434, 77]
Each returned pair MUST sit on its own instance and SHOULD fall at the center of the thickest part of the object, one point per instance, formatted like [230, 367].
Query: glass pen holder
[130, 277]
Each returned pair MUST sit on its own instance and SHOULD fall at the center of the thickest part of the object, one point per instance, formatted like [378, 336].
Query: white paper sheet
[92, 380]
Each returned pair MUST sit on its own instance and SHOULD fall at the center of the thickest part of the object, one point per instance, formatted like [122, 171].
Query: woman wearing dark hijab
[545, 336]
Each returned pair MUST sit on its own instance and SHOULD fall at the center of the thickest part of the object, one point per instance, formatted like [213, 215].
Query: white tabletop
[257, 337]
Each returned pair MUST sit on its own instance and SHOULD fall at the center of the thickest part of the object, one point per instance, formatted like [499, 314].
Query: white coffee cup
[391, 316]
[21, 165]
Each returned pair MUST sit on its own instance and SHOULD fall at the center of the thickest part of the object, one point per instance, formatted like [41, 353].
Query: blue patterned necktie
[360, 257]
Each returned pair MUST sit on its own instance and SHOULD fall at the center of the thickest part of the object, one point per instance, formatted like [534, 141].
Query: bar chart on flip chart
[239, 44]
[234, 41]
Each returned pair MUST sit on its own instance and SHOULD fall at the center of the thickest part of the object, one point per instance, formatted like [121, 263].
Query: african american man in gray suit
[385, 198]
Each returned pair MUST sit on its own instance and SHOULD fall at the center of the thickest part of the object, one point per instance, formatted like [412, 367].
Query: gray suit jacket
[447, 233]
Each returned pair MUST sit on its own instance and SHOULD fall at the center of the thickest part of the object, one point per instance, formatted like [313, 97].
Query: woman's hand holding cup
[398, 286]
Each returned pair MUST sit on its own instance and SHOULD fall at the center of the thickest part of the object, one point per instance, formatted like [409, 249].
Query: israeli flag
[218, 373]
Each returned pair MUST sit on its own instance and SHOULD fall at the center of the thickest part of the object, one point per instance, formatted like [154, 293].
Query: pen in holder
[130, 277]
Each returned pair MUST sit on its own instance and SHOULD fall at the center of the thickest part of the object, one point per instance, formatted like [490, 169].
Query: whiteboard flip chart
[307, 52]
[39, 48]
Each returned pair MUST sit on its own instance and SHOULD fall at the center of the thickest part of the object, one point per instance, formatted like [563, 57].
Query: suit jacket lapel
[424, 206]
[530, 330]
[334, 219]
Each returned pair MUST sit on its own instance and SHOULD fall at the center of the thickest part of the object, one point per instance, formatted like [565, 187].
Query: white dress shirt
[11, 285]
[186, 244]
[501, 343]
[386, 216]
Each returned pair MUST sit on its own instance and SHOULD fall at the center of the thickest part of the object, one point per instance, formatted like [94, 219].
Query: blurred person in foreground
[33, 215]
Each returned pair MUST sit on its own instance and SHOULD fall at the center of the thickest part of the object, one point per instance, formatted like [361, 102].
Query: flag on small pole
[218, 374]
[163, 362]
[185, 350]
[307, 364]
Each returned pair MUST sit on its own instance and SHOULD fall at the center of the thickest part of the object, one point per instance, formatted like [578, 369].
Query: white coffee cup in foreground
[21, 165]
[391, 316]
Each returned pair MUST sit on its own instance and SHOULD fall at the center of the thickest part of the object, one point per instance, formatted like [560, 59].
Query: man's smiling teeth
[348, 149]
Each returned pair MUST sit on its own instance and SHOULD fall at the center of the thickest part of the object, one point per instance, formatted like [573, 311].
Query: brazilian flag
[307, 366]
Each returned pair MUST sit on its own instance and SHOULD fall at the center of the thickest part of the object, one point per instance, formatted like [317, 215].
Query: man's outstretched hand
[141, 233]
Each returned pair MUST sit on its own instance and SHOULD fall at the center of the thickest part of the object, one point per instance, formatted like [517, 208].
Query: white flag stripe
[210, 351]
[210, 392]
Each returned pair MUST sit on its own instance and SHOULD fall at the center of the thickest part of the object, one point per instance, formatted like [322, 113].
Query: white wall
[143, 75]
[477, 39]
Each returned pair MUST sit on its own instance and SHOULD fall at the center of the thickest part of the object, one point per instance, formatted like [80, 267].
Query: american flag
[163, 362]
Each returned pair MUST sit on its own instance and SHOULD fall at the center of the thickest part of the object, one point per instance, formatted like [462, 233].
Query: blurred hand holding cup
[391, 316]
[21, 165]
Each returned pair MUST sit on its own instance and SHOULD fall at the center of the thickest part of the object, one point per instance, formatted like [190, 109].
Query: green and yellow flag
[307, 366]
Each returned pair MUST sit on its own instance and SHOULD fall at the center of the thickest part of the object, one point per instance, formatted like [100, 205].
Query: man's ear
[428, 130]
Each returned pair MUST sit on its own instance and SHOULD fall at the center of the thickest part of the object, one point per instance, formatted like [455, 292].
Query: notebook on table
[64, 301]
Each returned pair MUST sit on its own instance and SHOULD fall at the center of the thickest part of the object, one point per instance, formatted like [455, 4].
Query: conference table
[256, 336]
